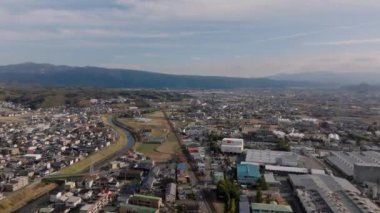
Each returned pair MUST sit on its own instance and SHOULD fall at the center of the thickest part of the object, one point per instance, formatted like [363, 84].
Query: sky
[243, 38]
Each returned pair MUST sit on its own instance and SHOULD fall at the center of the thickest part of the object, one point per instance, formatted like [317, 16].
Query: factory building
[265, 157]
[345, 161]
[232, 145]
[325, 193]
[364, 172]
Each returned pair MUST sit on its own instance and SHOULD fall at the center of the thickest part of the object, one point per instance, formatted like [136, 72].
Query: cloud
[227, 10]
[346, 42]
[290, 36]
[232, 37]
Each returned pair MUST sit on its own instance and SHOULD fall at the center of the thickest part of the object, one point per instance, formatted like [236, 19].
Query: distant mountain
[337, 78]
[52, 75]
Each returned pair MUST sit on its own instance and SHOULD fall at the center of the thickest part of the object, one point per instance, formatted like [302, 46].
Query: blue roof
[181, 166]
[248, 170]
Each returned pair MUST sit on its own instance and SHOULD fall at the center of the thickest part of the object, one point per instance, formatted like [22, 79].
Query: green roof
[146, 197]
[142, 209]
[271, 207]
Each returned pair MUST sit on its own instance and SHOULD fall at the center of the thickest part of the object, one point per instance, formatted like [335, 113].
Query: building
[181, 173]
[171, 192]
[324, 193]
[264, 157]
[270, 208]
[16, 183]
[365, 172]
[286, 169]
[189, 206]
[344, 161]
[87, 208]
[145, 200]
[232, 145]
[129, 208]
[73, 201]
[271, 181]
[248, 174]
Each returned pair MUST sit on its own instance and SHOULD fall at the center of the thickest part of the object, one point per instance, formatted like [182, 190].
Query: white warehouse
[232, 145]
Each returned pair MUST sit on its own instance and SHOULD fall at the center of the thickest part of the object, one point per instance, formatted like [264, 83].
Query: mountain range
[53, 75]
[62, 76]
[332, 78]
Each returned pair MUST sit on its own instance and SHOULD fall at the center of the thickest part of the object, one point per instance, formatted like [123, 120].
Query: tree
[263, 183]
[230, 192]
[283, 145]
[259, 195]
[232, 206]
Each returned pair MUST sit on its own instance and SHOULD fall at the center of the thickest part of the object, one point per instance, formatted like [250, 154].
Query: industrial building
[365, 172]
[345, 161]
[232, 145]
[325, 193]
[264, 157]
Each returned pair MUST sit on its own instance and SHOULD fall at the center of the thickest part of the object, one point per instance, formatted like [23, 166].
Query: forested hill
[52, 75]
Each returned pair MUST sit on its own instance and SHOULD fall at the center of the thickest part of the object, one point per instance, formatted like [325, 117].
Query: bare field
[14, 119]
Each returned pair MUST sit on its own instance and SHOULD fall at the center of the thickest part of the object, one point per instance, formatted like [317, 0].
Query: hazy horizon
[242, 38]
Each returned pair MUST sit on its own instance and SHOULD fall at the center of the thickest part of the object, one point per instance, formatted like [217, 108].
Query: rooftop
[271, 207]
[139, 208]
[271, 157]
[247, 170]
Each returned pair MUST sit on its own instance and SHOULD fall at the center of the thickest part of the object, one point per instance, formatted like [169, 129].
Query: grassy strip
[20, 198]
[99, 155]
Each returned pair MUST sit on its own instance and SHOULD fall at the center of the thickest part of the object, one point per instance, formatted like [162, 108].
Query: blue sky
[247, 38]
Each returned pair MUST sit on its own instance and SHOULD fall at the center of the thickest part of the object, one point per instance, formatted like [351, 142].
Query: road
[44, 199]
[196, 185]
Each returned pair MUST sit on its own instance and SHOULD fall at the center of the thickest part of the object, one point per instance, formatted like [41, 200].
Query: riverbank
[124, 142]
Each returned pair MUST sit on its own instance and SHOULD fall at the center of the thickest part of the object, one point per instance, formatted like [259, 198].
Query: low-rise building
[73, 201]
[171, 192]
[130, 208]
[265, 157]
[270, 208]
[16, 183]
[248, 174]
[232, 145]
[145, 200]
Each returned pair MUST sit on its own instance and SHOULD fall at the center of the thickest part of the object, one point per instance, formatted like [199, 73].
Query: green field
[159, 128]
